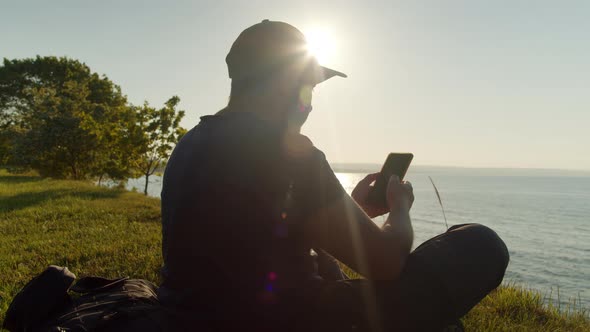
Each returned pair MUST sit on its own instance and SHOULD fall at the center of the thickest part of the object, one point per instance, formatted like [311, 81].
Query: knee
[489, 246]
[492, 242]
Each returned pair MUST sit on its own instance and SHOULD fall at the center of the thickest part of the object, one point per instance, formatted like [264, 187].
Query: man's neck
[264, 111]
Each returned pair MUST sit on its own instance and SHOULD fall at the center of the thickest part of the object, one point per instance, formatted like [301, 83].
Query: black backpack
[49, 302]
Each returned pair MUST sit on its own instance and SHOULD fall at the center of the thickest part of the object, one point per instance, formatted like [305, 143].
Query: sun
[321, 44]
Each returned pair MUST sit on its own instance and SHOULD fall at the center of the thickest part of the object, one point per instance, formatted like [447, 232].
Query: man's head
[269, 64]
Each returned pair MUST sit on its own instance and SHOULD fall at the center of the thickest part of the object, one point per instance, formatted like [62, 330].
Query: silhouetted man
[246, 197]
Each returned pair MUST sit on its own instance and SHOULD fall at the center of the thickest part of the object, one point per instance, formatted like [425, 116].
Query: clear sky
[458, 83]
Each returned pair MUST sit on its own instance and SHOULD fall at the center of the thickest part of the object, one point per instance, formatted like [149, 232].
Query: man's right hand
[400, 195]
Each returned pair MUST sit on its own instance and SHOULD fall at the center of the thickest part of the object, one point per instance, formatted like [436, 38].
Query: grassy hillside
[91, 230]
[111, 233]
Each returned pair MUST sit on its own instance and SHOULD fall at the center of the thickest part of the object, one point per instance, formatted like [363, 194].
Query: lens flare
[321, 44]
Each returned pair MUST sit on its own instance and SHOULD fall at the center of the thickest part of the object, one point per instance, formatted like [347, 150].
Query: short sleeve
[316, 186]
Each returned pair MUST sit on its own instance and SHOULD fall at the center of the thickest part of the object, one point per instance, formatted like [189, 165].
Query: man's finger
[370, 177]
[394, 178]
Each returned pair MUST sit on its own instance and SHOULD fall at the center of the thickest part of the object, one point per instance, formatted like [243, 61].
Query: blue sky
[458, 83]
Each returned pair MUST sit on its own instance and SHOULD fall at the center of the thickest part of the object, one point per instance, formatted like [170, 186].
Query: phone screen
[395, 164]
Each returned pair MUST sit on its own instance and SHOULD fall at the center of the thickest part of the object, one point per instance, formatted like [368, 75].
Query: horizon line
[471, 167]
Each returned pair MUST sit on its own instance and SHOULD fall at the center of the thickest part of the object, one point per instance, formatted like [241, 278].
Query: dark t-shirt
[233, 205]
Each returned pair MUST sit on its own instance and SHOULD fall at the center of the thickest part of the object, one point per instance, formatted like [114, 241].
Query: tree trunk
[74, 171]
[100, 180]
[147, 180]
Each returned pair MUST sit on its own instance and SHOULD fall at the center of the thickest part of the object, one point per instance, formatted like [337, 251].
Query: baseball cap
[271, 45]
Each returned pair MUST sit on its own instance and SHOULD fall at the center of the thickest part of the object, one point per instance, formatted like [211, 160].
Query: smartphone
[395, 164]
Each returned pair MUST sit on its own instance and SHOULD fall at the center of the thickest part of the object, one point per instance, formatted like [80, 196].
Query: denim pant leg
[442, 280]
[469, 260]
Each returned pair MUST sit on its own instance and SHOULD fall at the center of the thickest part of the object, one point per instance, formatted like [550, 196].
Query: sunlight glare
[321, 44]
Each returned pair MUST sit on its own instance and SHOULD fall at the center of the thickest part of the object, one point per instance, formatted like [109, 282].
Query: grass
[91, 230]
[513, 308]
[112, 233]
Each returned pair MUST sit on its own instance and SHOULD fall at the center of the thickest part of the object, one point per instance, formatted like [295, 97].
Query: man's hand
[400, 195]
[361, 195]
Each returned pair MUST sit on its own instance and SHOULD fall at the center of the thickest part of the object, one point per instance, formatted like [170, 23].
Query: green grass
[91, 230]
[513, 308]
[112, 233]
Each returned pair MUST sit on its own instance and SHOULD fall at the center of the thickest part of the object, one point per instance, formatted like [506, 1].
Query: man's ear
[286, 83]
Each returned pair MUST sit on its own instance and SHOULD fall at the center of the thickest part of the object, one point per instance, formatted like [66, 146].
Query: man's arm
[399, 223]
[344, 230]
[400, 197]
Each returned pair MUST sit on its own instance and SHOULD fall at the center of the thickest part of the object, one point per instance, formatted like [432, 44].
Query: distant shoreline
[490, 171]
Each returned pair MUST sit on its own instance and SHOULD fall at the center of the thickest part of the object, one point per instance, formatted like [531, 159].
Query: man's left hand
[360, 194]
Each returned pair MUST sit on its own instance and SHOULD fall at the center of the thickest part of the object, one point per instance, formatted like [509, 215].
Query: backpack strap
[96, 284]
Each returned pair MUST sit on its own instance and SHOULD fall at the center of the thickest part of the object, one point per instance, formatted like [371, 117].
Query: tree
[161, 131]
[6, 142]
[65, 121]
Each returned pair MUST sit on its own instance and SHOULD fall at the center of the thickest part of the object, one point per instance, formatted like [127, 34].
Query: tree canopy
[60, 118]
[161, 130]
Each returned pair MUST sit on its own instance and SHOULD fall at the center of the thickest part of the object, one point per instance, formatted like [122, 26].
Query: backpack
[41, 297]
[49, 302]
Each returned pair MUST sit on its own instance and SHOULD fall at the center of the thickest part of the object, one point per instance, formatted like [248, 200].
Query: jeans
[442, 280]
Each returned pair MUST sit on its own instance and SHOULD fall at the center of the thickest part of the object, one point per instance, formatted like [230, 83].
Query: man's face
[301, 106]
[305, 94]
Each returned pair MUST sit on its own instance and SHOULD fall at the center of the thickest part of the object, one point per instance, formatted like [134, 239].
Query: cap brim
[322, 73]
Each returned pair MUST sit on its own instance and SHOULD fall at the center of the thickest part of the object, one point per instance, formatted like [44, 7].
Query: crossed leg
[443, 279]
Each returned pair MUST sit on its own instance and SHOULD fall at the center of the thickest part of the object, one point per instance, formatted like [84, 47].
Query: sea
[542, 215]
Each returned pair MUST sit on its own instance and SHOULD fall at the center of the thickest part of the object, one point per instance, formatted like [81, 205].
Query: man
[246, 197]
